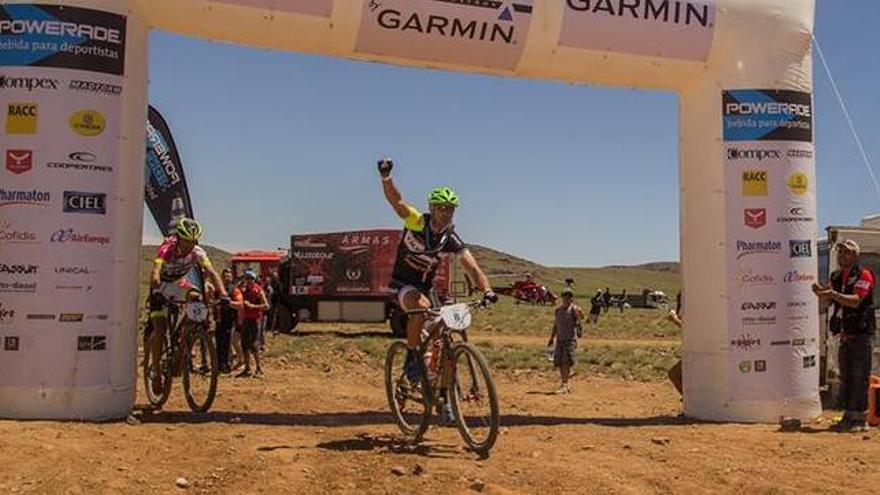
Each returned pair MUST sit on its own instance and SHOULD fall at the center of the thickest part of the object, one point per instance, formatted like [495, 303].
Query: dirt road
[308, 430]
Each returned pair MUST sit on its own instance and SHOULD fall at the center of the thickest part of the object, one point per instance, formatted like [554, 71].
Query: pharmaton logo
[754, 183]
[747, 248]
[484, 33]
[89, 123]
[85, 202]
[19, 161]
[13, 197]
[801, 249]
[21, 118]
[755, 217]
[767, 115]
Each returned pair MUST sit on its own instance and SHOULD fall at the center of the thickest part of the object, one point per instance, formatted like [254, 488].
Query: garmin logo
[666, 11]
[59, 28]
[439, 25]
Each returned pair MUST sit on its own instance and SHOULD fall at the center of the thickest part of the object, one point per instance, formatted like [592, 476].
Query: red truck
[343, 277]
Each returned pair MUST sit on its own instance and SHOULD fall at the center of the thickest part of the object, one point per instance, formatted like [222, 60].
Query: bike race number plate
[456, 316]
[196, 312]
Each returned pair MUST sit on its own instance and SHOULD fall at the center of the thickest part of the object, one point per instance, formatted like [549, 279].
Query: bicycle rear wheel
[157, 383]
[410, 404]
[474, 400]
[200, 370]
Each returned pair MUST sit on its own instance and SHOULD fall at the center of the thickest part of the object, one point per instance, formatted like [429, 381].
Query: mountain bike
[455, 373]
[188, 351]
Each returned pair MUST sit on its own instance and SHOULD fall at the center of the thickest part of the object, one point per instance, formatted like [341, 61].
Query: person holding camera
[851, 300]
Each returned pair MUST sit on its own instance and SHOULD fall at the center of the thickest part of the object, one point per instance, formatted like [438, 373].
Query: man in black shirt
[427, 239]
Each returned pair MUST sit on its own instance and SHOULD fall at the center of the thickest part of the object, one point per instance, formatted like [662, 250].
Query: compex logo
[759, 155]
[28, 83]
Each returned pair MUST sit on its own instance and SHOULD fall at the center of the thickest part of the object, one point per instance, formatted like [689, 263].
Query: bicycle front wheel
[200, 370]
[410, 403]
[157, 380]
[474, 400]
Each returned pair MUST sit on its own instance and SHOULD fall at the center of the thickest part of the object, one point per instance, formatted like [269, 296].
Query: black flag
[165, 188]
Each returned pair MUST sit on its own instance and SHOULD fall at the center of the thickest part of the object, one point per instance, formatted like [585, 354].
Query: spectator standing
[851, 298]
[596, 307]
[251, 304]
[225, 322]
[565, 335]
[606, 299]
[621, 301]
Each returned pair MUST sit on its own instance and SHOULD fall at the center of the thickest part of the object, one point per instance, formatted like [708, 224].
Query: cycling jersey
[421, 251]
[174, 265]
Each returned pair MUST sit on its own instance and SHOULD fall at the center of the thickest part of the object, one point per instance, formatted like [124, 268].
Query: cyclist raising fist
[427, 239]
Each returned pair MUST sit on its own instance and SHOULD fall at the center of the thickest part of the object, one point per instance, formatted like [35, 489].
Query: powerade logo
[27, 83]
[162, 167]
[767, 115]
[85, 202]
[69, 235]
[801, 249]
[746, 248]
[62, 37]
[33, 197]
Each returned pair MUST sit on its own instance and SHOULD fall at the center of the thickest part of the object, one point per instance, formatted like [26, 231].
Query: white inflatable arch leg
[742, 68]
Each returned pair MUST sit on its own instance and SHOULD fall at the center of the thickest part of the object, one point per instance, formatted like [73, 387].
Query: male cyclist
[427, 239]
[179, 254]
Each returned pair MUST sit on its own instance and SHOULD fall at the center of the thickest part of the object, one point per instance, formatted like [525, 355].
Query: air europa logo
[666, 11]
[87, 123]
[70, 235]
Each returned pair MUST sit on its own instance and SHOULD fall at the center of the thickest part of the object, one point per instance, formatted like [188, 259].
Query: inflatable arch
[73, 88]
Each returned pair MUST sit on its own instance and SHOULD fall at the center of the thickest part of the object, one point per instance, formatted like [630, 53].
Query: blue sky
[276, 143]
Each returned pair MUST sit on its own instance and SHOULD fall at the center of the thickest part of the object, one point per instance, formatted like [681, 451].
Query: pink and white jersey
[174, 265]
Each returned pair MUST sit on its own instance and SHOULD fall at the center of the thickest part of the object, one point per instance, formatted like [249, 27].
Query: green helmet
[443, 196]
[188, 229]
